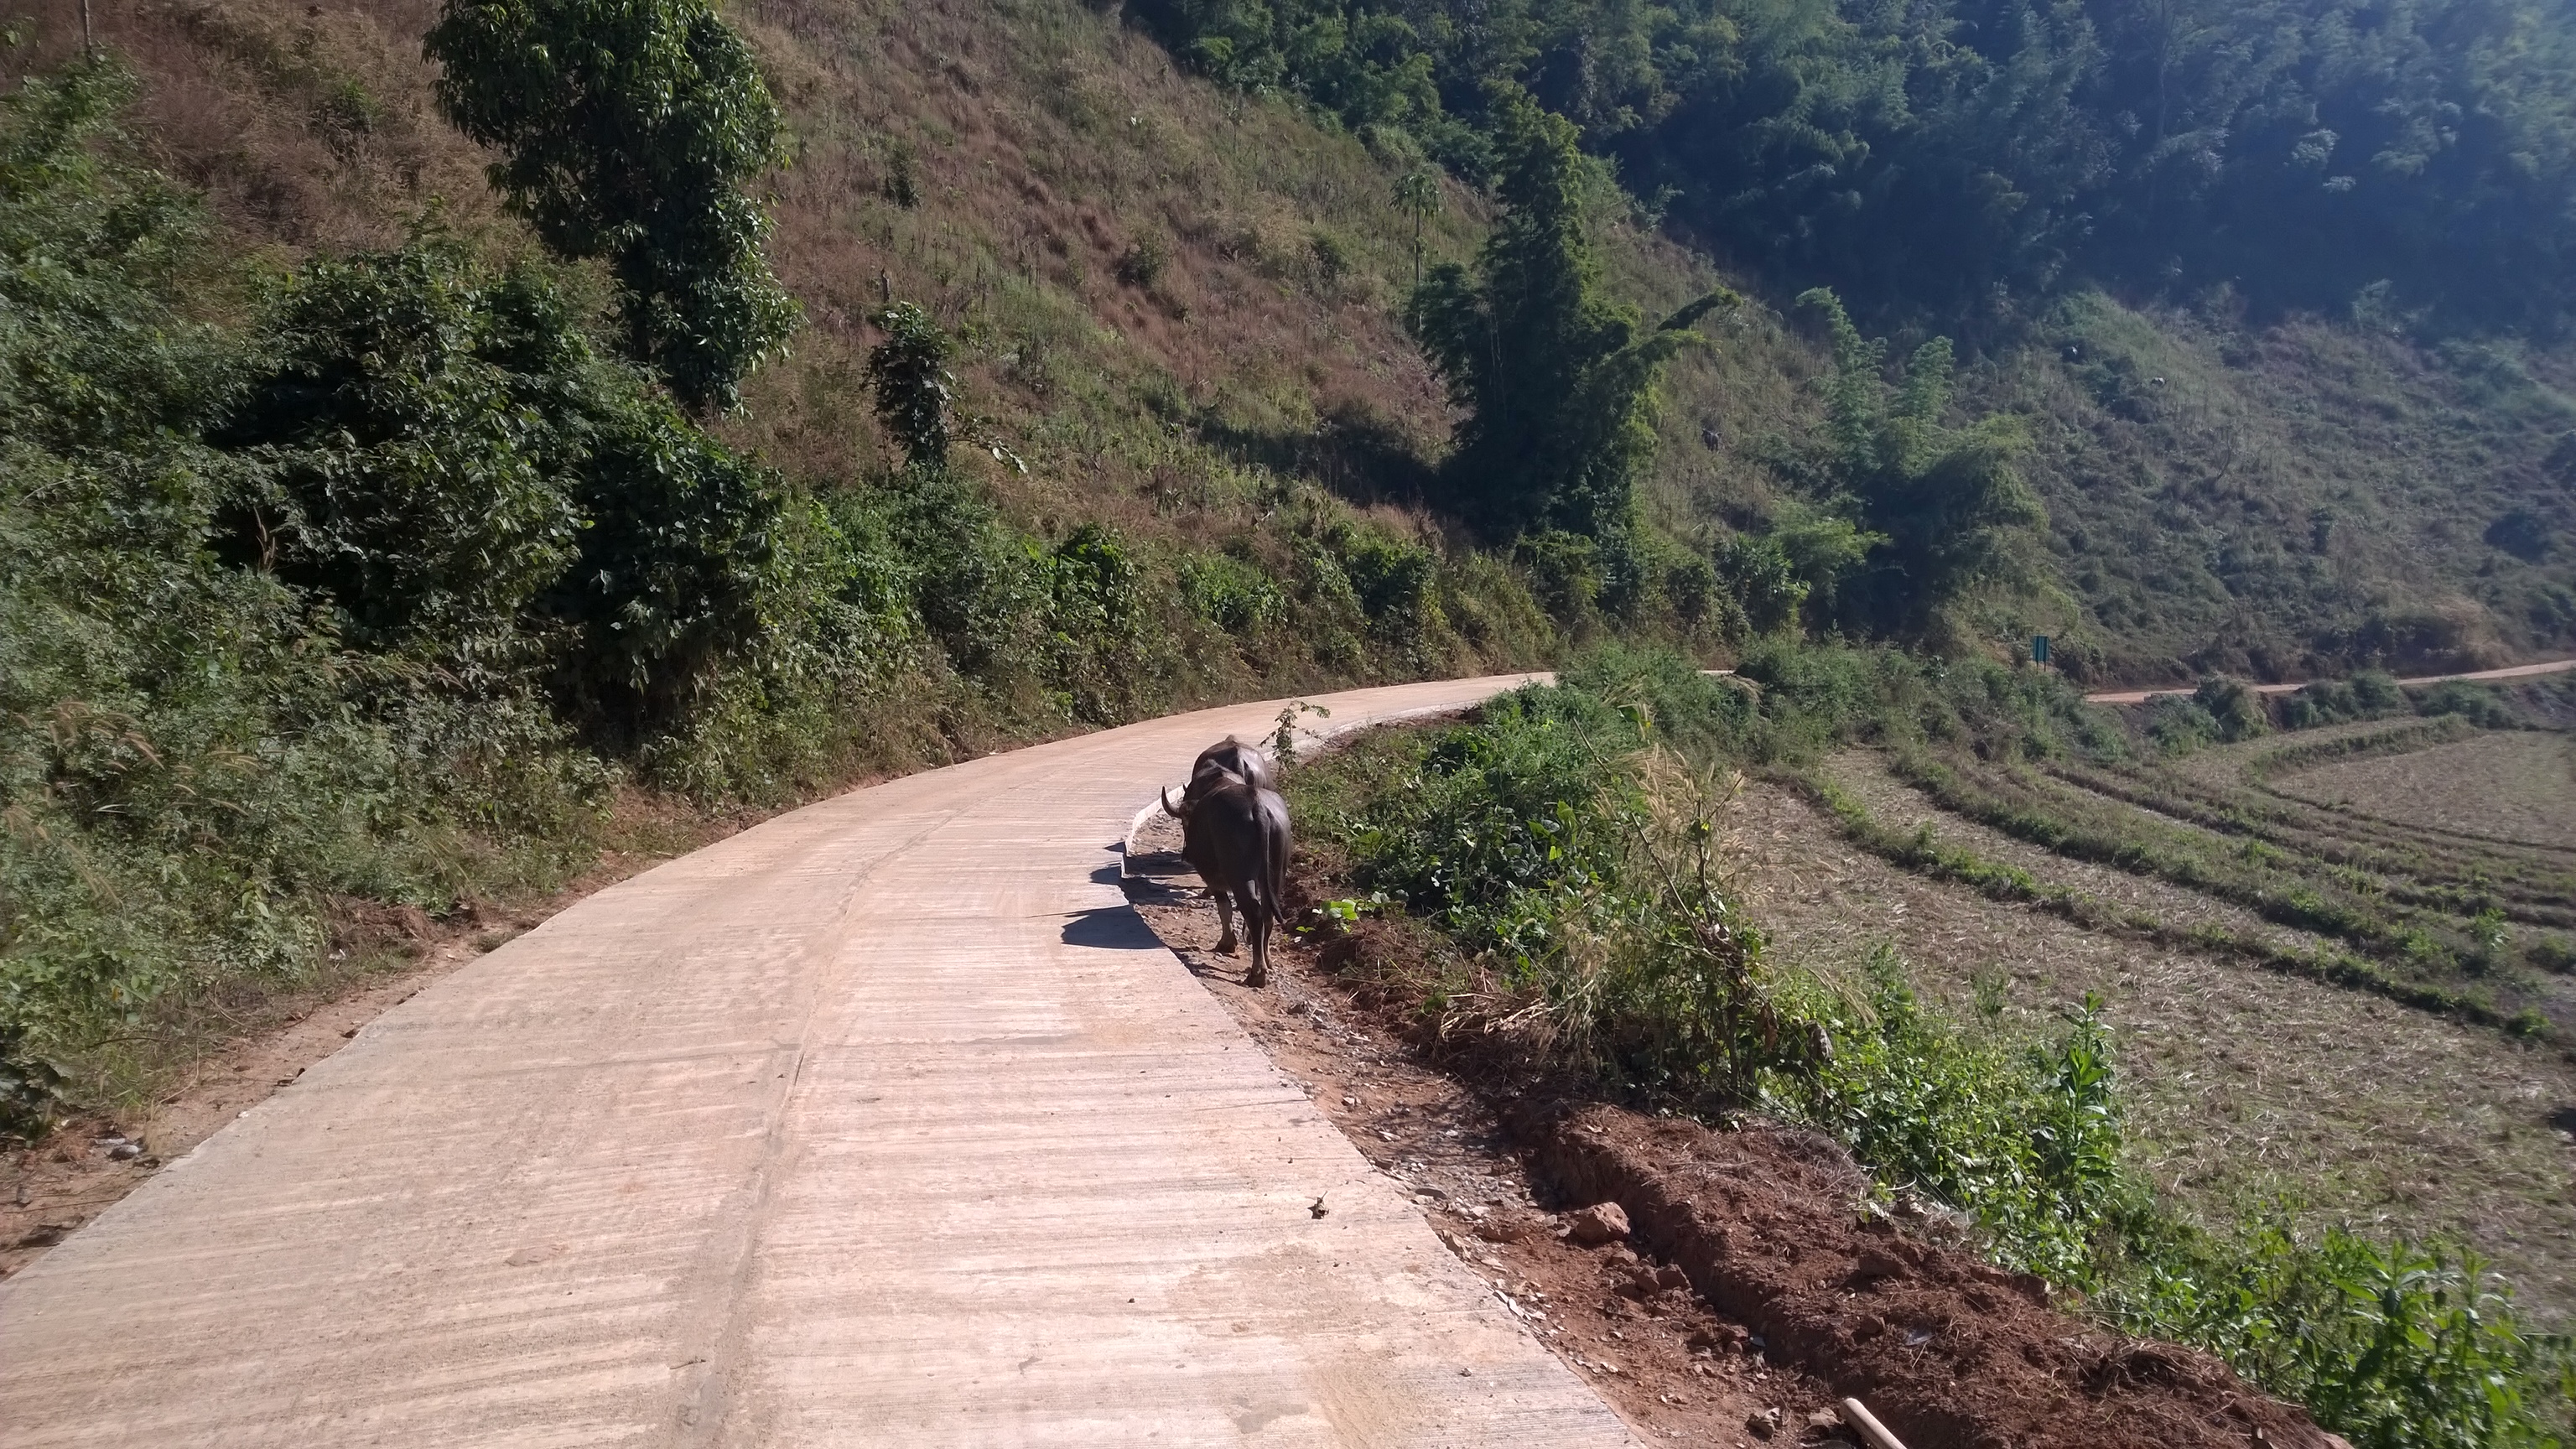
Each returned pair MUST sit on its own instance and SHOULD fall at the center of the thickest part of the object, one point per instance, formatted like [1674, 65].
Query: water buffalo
[1231, 756]
[1234, 833]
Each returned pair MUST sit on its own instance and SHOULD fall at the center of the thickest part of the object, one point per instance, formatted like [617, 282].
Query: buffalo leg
[1225, 943]
[1256, 924]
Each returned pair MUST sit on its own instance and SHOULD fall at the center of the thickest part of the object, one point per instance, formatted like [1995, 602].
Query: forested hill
[1952, 158]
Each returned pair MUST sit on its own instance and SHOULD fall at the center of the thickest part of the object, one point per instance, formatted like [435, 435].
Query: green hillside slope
[1199, 454]
[1174, 294]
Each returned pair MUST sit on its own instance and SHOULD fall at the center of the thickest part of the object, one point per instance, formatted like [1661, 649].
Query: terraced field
[2516, 786]
[2338, 961]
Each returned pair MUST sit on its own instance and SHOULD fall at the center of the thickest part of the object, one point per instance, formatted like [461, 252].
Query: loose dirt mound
[1949, 1352]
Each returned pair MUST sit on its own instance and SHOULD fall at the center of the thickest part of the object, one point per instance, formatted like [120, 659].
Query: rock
[1876, 1263]
[1762, 1423]
[1670, 1276]
[1729, 1337]
[124, 1150]
[1603, 1222]
[1825, 1419]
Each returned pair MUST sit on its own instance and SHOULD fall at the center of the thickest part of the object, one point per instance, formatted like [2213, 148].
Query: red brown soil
[1779, 1289]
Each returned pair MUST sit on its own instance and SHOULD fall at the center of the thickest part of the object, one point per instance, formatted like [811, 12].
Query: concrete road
[2518, 671]
[886, 1122]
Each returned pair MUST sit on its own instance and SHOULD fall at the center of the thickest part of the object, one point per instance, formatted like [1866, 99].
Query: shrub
[446, 460]
[2233, 707]
[402, 478]
[1232, 594]
[2179, 725]
[2477, 704]
[1561, 848]
[2025, 1141]
[1142, 264]
[1766, 586]
[914, 391]
[628, 130]
[1391, 576]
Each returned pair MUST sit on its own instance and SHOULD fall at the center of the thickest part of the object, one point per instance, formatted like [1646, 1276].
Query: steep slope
[1175, 299]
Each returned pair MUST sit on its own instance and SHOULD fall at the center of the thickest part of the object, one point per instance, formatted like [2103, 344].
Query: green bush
[2479, 705]
[195, 761]
[442, 455]
[1233, 594]
[2233, 707]
[2024, 1140]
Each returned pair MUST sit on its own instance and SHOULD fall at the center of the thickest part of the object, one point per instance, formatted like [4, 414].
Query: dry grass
[2516, 787]
[1899, 806]
[2247, 1086]
[1044, 143]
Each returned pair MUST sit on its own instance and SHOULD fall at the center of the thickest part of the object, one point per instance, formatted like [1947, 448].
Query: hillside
[1172, 297]
[390, 562]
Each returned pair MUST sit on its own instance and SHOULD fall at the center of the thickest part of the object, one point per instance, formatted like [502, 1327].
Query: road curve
[886, 1122]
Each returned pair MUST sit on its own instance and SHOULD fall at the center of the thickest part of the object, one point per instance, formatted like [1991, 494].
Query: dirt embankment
[1752, 1288]
[1948, 1351]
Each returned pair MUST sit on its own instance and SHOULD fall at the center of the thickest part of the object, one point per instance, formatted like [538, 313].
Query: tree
[1418, 192]
[628, 129]
[1941, 508]
[442, 457]
[909, 371]
[1559, 384]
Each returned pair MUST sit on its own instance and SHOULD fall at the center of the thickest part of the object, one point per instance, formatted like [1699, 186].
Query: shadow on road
[1114, 928]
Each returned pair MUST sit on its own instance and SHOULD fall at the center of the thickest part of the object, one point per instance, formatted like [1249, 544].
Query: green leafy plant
[1558, 383]
[1283, 735]
[628, 130]
[1944, 511]
[914, 389]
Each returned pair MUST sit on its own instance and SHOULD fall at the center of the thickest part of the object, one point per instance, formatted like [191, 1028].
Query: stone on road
[886, 1122]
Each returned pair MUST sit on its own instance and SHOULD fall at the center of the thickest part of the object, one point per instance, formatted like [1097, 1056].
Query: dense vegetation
[370, 582]
[1970, 157]
[1560, 845]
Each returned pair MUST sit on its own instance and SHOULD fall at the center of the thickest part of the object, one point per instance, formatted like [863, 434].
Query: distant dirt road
[2518, 671]
[885, 1122]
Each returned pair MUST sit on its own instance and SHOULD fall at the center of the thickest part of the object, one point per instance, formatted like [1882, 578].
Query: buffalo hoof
[1256, 980]
[1227, 946]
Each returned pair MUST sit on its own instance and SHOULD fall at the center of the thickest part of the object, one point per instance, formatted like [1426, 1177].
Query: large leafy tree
[445, 460]
[1558, 382]
[1943, 510]
[628, 131]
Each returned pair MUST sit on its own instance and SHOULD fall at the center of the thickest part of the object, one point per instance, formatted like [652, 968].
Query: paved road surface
[2518, 671]
[885, 1123]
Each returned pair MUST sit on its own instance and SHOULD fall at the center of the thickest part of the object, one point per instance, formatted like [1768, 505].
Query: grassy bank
[1565, 847]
